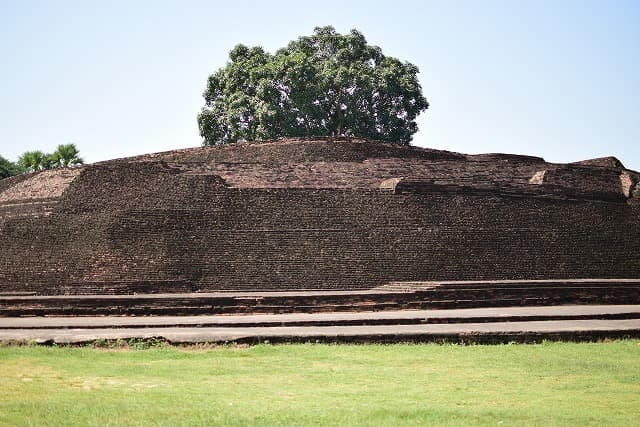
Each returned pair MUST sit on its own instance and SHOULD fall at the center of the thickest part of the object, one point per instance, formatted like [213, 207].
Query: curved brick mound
[314, 214]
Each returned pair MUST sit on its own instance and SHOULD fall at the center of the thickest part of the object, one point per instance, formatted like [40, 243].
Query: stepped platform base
[494, 325]
[392, 296]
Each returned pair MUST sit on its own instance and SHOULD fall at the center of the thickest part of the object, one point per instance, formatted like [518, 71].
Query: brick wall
[157, 226]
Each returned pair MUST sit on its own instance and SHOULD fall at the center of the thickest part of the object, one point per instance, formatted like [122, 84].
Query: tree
[32, 161]
[326, 84]
[66, 155]
[8, 168]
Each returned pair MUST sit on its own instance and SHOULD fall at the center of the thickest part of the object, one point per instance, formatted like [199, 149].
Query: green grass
[544, 384]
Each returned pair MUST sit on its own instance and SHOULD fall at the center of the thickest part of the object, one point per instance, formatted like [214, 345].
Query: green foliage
[8, 168]
[543, 384]
[32, 161]
[326, 84]
[65, 155]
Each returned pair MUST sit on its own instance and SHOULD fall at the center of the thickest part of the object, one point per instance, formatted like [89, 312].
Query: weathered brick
[314, 214]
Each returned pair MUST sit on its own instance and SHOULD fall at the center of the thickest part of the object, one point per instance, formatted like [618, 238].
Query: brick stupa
[319, 214]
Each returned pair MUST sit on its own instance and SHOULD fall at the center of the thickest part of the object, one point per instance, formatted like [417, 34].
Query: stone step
[485, 332]
[203, 307]
[127, 287]
[397, 317]
[445, 295]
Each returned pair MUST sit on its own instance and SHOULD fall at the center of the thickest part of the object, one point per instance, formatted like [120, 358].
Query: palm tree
[32, 161]
[66, 155]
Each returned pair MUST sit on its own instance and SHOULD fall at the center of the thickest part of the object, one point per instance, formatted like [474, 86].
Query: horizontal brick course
[315, 215]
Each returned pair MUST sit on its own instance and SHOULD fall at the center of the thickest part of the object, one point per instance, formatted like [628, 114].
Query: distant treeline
[30, 161]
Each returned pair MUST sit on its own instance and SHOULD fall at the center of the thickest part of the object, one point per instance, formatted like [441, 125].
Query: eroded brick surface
[313, 215]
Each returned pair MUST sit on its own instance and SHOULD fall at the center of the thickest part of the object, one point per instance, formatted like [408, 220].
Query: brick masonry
[314, 214]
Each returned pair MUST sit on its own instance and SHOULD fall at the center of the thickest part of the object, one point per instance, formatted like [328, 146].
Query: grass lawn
[405, 384]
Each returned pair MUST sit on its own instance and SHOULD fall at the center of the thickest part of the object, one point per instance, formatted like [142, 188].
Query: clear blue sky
[558, 79]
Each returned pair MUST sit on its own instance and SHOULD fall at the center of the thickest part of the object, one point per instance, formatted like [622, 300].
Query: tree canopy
[8, 168]
[34, 161]
[326, 84]
[65, 155]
